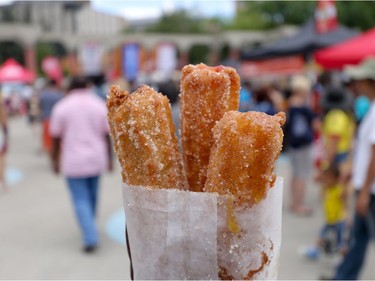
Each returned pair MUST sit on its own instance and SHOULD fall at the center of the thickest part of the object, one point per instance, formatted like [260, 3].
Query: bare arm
[55, 155]
[331, 148]
[363, 200]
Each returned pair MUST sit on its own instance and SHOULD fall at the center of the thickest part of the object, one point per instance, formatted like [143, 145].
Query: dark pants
[352, 263]
[84, 194]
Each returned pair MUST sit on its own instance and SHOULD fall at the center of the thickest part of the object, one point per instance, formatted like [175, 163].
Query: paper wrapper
[177, 234]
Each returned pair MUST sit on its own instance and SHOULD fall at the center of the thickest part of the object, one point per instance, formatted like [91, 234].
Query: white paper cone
[253, 252]
[177, 234]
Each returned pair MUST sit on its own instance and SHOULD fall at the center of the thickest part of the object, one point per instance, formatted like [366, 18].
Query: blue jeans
[84, 194]
[362, 231]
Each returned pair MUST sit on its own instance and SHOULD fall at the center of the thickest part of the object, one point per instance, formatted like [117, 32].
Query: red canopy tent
[12, 71]
[351, 51]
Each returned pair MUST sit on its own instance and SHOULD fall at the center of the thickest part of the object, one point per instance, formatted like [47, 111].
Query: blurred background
[284, 51]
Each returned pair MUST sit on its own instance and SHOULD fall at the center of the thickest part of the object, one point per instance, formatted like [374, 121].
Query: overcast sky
[5, 2]
[146, 9]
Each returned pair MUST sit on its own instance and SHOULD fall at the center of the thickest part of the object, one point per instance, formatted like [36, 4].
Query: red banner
[325, 16]
[273, 67]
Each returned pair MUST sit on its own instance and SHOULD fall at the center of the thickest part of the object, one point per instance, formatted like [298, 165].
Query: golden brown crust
[206, 94]
[147, 144]
[116, 98]
[246, 147]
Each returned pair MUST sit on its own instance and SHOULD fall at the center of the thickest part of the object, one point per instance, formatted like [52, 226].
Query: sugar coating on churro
[246, 147]
[147, 143]
[115, 99]
[206, 94]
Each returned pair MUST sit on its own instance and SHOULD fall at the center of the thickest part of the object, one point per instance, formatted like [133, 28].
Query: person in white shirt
[363, 176]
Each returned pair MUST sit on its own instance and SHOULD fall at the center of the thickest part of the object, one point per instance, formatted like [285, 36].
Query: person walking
[80, 135]
[300, 131]
[338, 126]
[47, 100]
[363, 177]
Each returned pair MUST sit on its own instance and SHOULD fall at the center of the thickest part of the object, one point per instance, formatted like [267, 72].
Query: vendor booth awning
[351, 51]
[305, 41]
[12, 71]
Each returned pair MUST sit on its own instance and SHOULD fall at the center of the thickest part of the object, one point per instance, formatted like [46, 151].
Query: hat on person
[300, 83]
[365, 70]
[337, 98]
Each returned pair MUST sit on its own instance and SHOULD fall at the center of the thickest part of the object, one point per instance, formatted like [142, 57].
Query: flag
[91, 56]
[131, 61]
[325, 16]
[166, 58]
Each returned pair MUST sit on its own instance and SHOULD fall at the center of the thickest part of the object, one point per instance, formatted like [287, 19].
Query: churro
[146, 141]
[206, 94]
[246, 147]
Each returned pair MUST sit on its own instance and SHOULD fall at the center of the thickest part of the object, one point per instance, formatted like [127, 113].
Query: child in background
[334, 205]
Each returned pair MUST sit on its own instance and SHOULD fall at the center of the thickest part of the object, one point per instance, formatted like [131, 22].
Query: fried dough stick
[116, 97]
[206, 94]
[246, 147]
[147, 144]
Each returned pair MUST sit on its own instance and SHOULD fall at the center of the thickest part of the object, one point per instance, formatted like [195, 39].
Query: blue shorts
[338, 229]
[341, 157]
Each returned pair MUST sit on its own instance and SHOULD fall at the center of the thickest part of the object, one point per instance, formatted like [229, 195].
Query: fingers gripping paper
[176, 234]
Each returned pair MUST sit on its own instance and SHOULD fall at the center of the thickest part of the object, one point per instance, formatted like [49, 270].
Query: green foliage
[44, 49]
[290, 12]
[356, 14]
[179, 22]
[11, 50]
[182, 22]
[249, 18]
[198, 54]
[269, 14]
[261, 15]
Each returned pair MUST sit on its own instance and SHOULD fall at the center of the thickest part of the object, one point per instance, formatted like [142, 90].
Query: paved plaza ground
[39, 238]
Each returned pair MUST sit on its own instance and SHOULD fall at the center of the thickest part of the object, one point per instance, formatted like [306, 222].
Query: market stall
[351, 51]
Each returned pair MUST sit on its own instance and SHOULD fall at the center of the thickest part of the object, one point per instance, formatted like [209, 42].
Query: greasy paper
[176, 234]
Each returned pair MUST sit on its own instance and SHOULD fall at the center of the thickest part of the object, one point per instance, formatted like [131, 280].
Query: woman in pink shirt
[82, 152]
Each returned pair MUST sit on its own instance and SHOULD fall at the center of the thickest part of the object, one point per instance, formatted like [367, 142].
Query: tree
[269, 14]
[356, 14]
[10, 49]
[261, 15]
[199, 53]
[182, 22]
[44, 49]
